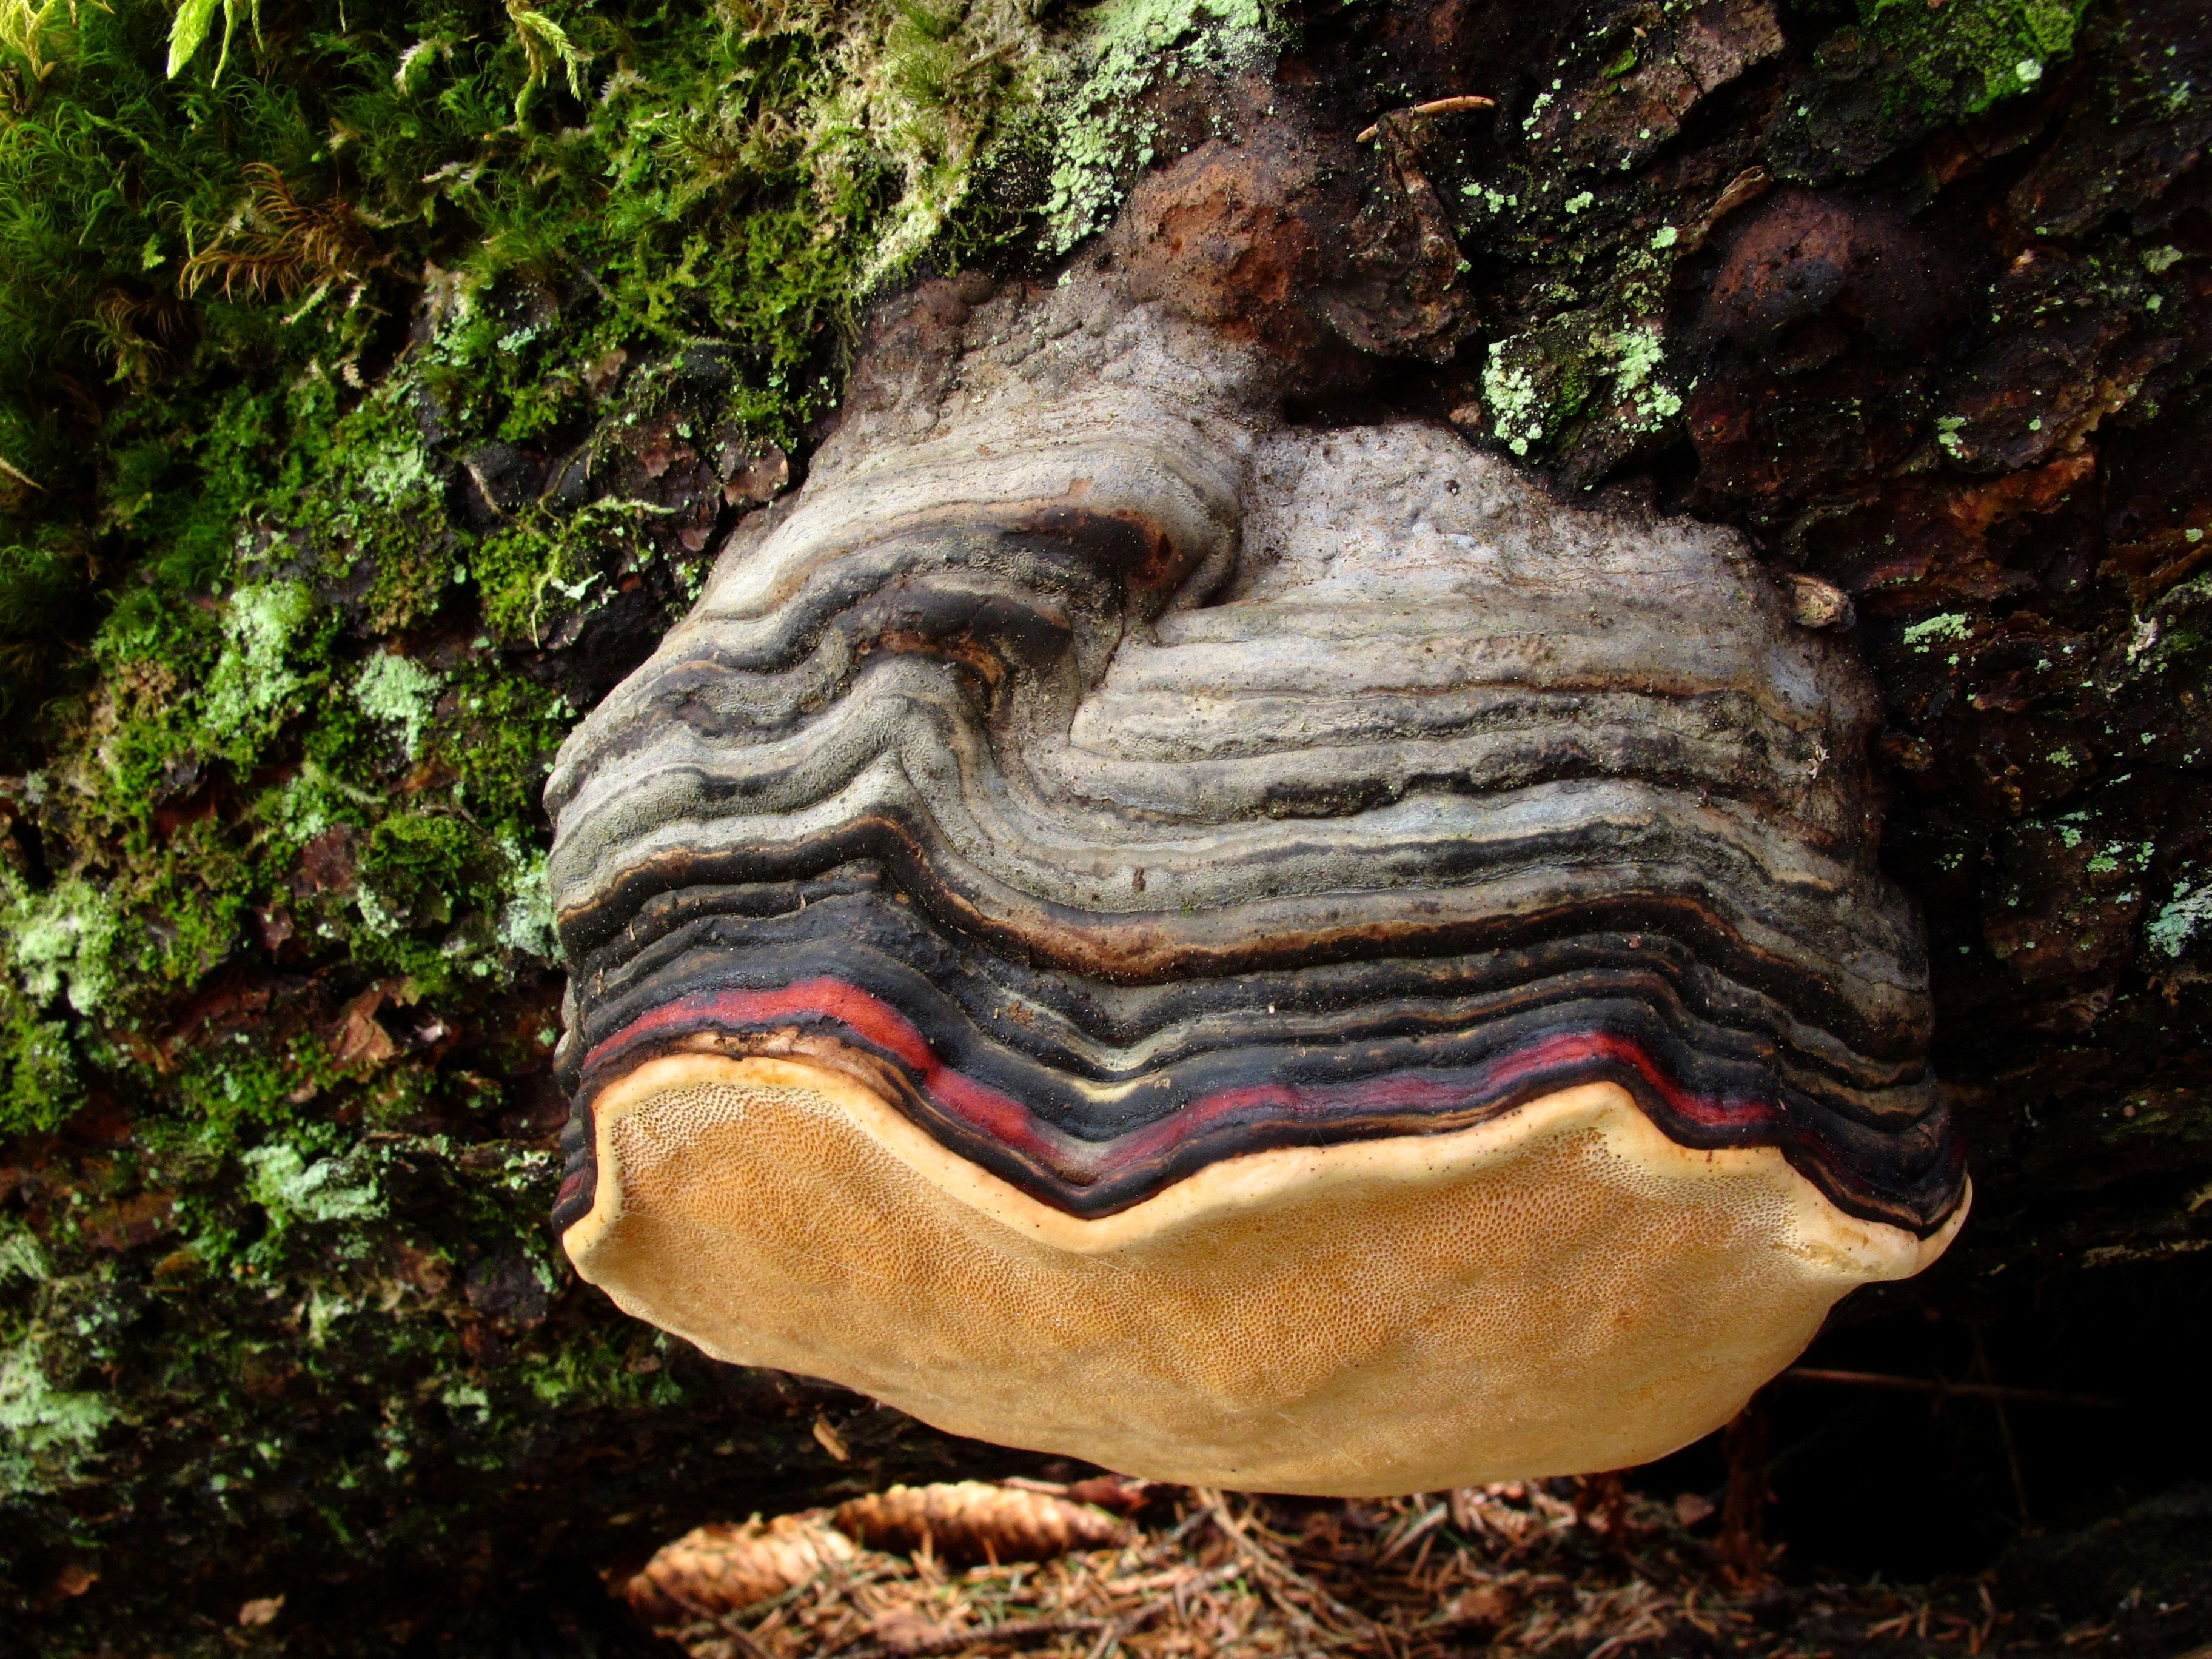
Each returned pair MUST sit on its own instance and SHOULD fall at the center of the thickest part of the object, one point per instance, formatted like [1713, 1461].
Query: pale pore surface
[1560, 1291]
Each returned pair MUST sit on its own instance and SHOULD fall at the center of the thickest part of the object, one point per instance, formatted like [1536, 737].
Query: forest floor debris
[1585, 1568]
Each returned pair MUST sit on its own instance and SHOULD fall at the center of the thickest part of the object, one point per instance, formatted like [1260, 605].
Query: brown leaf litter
[1585, 1568]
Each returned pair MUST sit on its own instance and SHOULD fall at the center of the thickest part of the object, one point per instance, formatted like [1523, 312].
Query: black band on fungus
[1198, 1070]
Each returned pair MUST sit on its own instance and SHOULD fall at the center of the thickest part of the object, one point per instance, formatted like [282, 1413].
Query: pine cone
[971, 1520]
[715, 1570]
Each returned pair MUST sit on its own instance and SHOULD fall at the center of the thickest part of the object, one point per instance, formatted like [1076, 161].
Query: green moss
[421, 867]
[225, 1093]
[1905, 69]
[597, 1374]
[42, 1087]
[287, 653]
[227, 250]
[1963, 56]
[546, 571]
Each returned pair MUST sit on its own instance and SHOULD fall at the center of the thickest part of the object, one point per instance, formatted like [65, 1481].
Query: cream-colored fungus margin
[1559, 1291]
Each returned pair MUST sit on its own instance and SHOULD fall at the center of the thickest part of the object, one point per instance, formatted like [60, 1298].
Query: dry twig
[1434, 106]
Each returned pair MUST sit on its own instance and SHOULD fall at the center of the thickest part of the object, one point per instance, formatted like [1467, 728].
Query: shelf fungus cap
[1254, 955]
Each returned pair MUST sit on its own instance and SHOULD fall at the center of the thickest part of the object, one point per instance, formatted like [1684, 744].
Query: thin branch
[959, 1641]
[1434, 106]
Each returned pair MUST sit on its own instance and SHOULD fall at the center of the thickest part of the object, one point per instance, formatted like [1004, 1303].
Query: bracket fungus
[1257, 955]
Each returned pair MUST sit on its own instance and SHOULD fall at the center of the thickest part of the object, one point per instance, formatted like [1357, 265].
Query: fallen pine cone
[970, 1520]
[1117, 1494]
[715, 1570]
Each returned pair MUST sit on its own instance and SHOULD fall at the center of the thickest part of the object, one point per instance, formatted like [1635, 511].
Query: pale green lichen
[392, 468]
[526, 923]
[1543, 385]
[1095, 87]
[1510, 390]
[20, 1255]
[2111, 857]
[1542, 101]
[292, 1187]
[2175, 926]
[309, 802]
[1923, 636]
[46, 1434]
[62, 941]
[400, 692]
[466, 1397]
[1638, 354]
[324, 1309]
[253, 686]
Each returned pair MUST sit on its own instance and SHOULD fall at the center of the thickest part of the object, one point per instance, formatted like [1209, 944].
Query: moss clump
[369, 382]
[205, 264]
[1905, 69]
[1961, 59]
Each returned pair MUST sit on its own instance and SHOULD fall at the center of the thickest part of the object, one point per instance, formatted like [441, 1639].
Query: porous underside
[1560, 1290]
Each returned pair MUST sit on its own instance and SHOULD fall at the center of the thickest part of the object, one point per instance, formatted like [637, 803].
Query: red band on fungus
[998, 1117]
